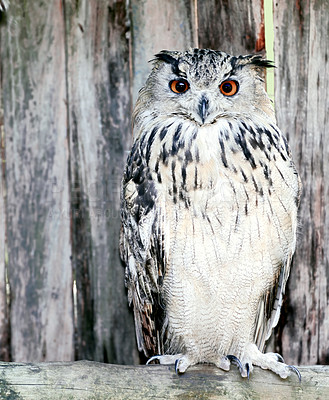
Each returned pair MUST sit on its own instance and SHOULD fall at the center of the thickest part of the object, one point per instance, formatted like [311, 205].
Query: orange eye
[179, 85]
[229, 88]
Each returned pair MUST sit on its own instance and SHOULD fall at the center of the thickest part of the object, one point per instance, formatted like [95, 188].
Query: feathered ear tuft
[251, 60]
[168, 57]
[258, 61]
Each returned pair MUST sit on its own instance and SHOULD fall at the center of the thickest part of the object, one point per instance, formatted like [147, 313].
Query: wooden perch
[91, 380]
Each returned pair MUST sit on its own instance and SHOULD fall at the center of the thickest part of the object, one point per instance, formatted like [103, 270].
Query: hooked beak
[203, 108]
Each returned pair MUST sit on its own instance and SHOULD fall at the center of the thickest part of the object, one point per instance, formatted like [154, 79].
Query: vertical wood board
[100, 135]
[38, 227]
[236, 27]
[302, 104]
[4, 322]
[158, 25]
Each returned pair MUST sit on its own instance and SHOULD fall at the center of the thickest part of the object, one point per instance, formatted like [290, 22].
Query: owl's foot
[272, 361]
[225, 364]
[182, 362]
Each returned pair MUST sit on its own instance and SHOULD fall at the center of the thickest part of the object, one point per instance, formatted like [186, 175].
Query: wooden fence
[70, 73]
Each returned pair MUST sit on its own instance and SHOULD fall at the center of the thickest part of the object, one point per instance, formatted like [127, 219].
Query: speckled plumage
[209, 213]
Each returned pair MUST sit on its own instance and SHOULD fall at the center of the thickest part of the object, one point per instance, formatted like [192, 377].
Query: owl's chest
[195, 167]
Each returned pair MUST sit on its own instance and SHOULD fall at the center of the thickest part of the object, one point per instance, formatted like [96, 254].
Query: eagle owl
[209, 213]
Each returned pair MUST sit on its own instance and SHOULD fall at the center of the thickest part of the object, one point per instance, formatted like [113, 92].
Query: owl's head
[203, 85]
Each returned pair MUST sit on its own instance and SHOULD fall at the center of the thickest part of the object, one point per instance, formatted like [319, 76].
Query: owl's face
[205, 85]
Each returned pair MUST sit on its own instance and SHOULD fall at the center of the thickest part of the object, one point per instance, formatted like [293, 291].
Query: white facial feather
[251, 97]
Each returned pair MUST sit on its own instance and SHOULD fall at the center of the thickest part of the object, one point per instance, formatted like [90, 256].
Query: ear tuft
[259, 61]
[166, 56]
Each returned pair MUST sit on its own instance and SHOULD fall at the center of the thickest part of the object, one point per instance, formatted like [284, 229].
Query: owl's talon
[248, 370]
[296, 370]
[176, 367]
[280, 358]
[166, 359]
[154, 358]
[181, 362]
[235, 361]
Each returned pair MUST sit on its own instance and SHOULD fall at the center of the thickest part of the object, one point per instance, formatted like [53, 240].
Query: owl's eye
[229, 88]
[179, 85]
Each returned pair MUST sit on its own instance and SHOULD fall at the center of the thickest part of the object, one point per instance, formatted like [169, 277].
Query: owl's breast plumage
[221, 201]
[226, 194]
[230, 162]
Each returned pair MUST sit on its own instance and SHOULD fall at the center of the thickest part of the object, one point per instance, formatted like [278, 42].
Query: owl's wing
[141, 246]
[270, 305]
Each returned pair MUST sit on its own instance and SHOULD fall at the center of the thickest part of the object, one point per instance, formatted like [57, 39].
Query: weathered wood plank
[157, 25]
[38, 234]
[100, 135]
[90, 380]
[236, 27]
[302, 104]
[4, 322]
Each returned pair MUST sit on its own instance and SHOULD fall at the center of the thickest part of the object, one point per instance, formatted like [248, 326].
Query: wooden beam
[91, 380]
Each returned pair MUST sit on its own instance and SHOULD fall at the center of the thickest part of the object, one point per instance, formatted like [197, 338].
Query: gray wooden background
[70, 72]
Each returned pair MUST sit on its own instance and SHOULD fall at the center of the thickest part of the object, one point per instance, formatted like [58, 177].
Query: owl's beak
[203, 108]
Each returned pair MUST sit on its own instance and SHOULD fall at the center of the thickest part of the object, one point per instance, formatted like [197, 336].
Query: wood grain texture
[38, 234]
[100, 135]
[233, 26]
[302, 105]
[90, 380]
[4, 321]
[158, 25]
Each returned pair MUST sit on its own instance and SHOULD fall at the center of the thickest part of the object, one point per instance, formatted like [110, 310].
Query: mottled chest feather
[178, 158]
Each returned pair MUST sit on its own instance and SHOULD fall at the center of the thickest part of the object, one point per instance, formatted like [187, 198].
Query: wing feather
[269, 308]
[270, 305]
[141, 247]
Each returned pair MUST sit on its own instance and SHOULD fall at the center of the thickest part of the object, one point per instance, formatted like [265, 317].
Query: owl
[209, 213]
